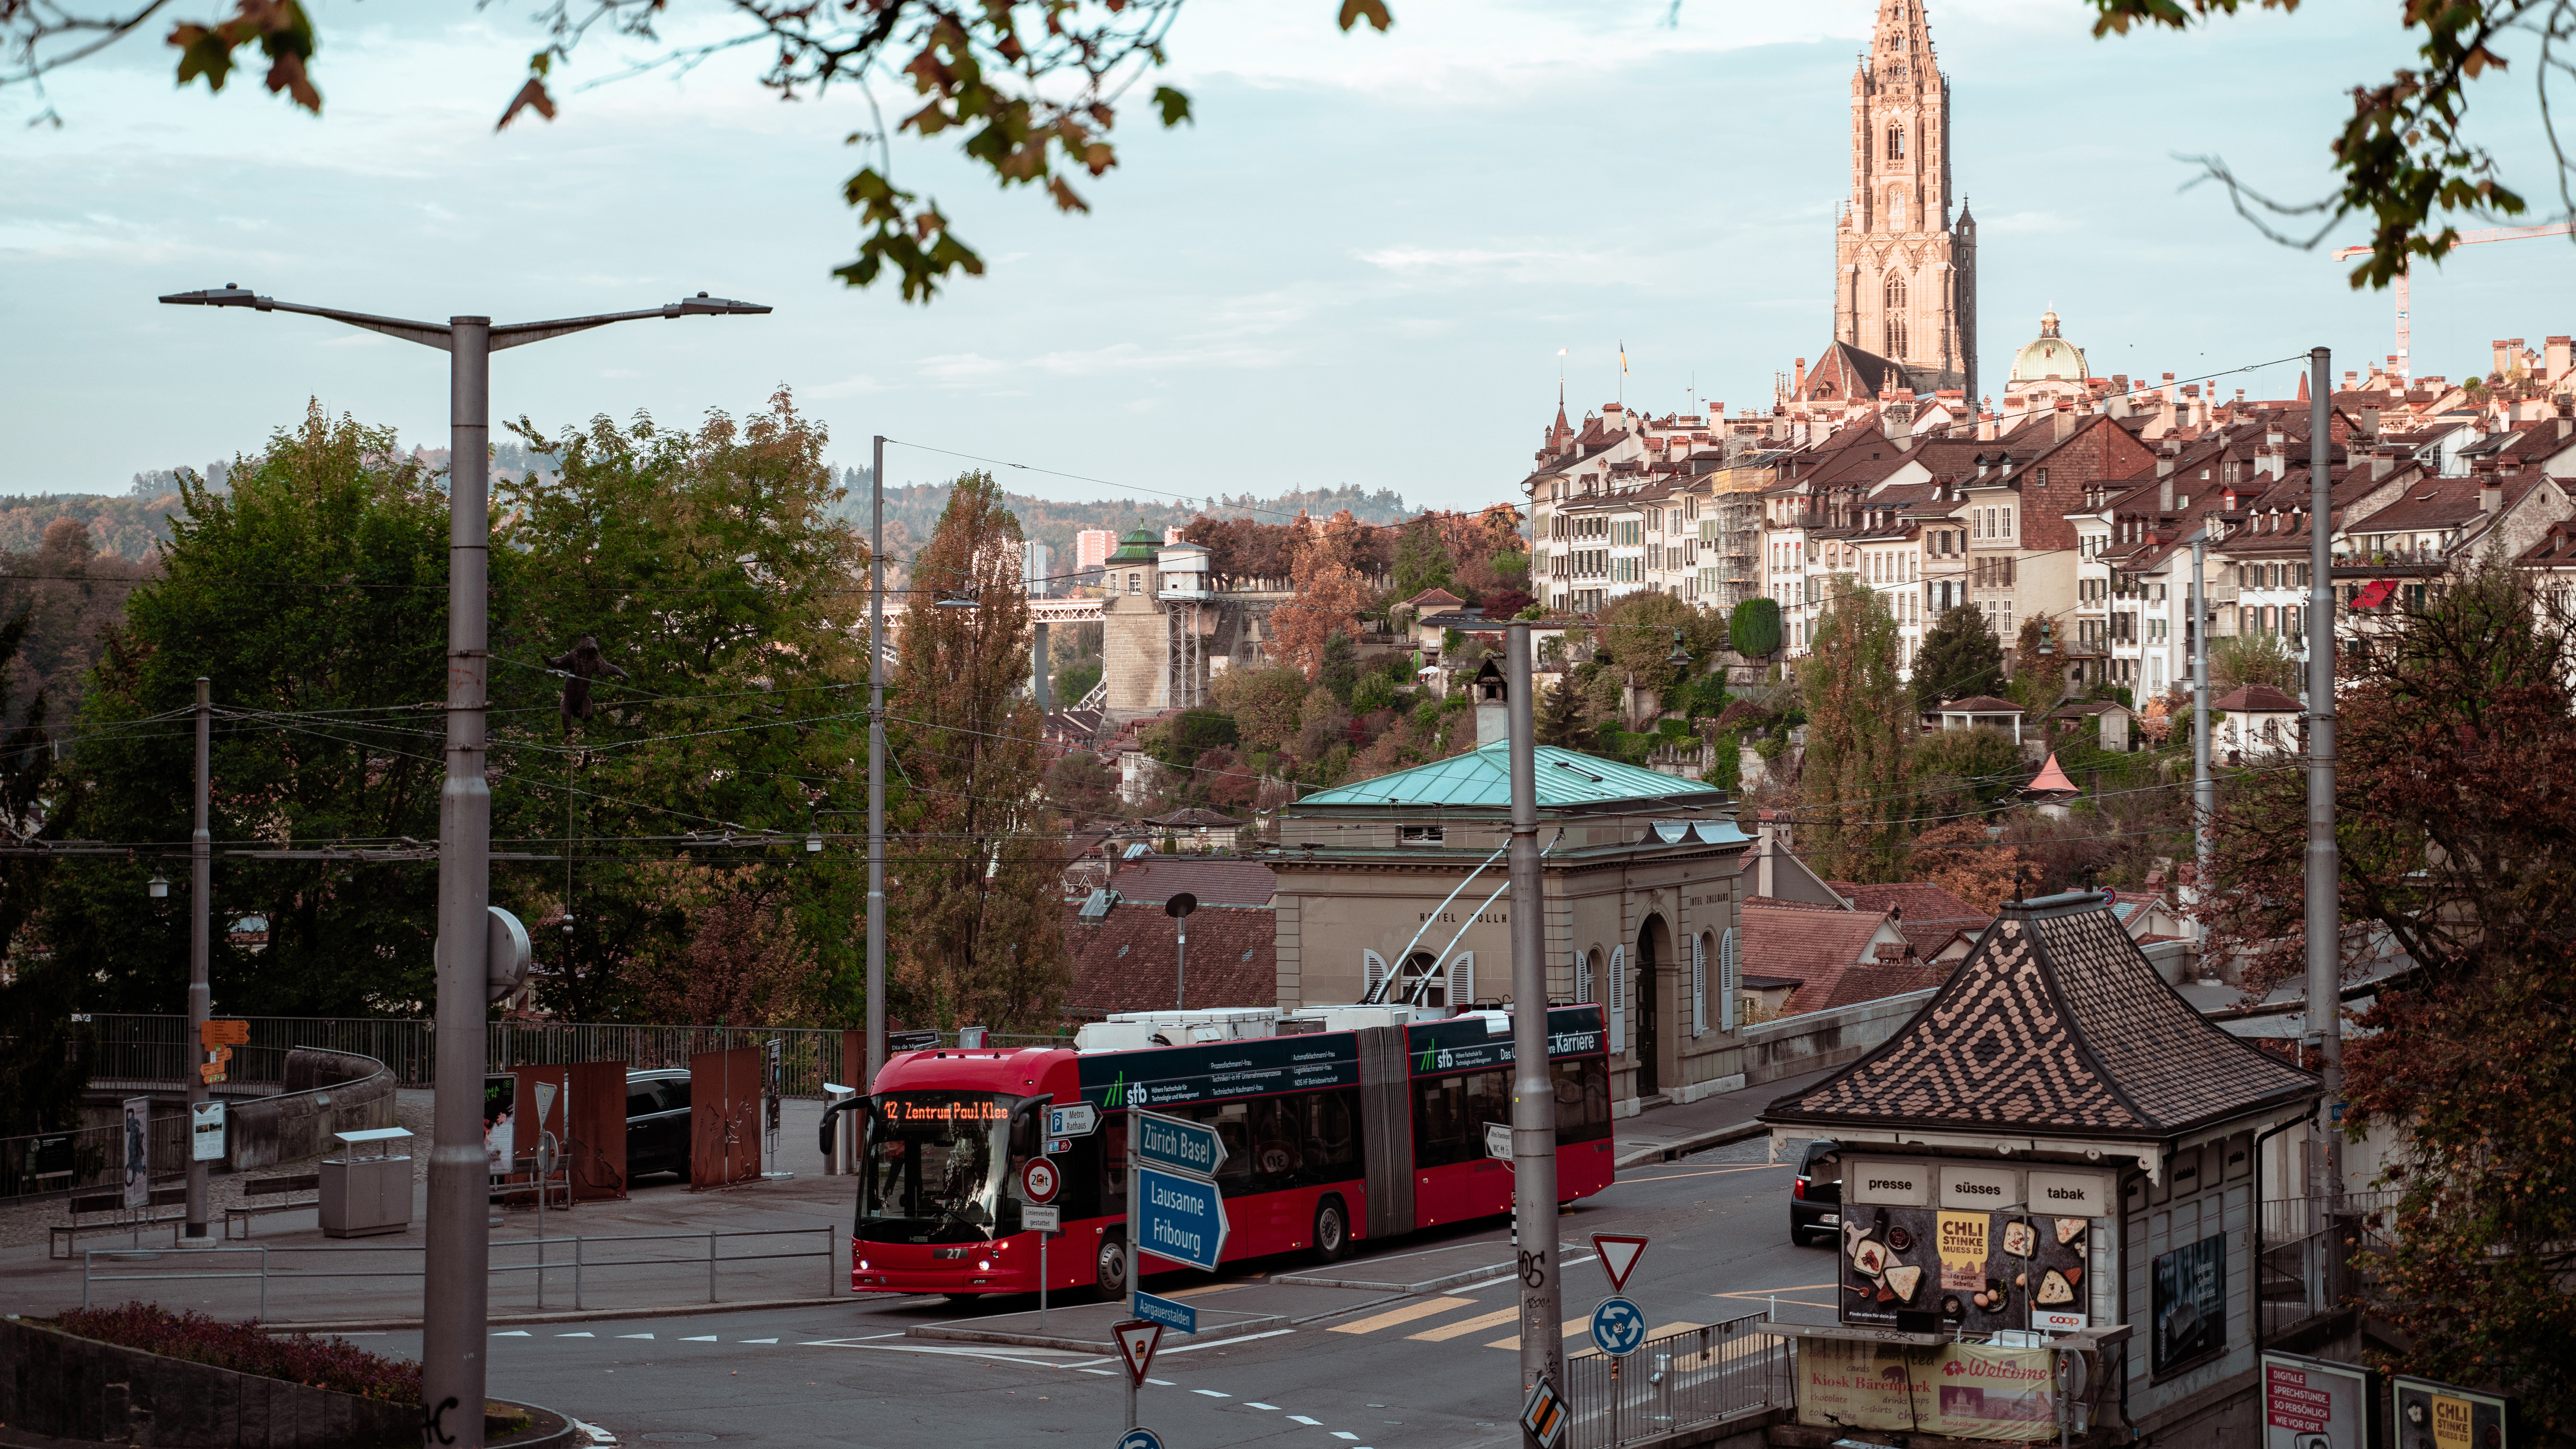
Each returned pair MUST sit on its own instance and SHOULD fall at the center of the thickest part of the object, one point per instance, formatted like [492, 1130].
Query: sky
[1358, 266]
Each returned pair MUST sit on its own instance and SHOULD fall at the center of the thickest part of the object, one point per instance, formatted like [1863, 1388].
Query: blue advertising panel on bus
[1467, 1045]
[1220, 1071]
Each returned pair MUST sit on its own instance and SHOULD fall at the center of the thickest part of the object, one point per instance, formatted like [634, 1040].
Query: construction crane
[2405, 363]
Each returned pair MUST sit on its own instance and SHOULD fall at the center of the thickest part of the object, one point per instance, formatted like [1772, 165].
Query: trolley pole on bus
[1533, 1088]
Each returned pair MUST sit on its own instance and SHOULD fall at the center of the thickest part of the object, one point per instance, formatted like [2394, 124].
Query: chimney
[2558, 354]
[2168, 453]
[2513, 352]
[2566, 417]
[2490, 490]
[2501, 355]
[2164, 491]
[2370, 422]
[1798, 379]
[2383, 459]
[1986, 423]
[2065, 411]
[2273, 458]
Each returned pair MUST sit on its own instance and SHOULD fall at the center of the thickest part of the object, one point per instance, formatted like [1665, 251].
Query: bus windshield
[936, 1168]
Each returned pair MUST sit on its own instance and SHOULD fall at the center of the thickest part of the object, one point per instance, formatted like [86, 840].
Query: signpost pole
[1533, 1087]
[1135, 1220]
[201, 998]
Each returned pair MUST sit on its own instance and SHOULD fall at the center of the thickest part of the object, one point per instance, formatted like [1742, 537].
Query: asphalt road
[1438, 1369]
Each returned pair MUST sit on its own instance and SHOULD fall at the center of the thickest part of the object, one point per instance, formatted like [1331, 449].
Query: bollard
[576, 1273]
[711, 1265]
[1662, 1379]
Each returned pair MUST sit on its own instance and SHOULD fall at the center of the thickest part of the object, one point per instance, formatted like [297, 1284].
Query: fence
[145, 1050]
[548, 1258]
[2311, 1260]
[1677, 1381]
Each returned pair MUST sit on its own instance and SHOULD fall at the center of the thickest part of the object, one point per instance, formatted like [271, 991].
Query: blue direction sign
[1618, 1327]
[1140, 1437]
[1171, 1142]
[1178, 1317]
[1180, 1218]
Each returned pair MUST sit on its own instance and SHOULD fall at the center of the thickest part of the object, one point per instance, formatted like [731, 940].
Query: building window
[1421, 834]
[1135, 583]
[1894, 294]
[1896, 143]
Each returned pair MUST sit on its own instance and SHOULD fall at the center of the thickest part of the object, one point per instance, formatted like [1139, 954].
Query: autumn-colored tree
[1961, 858]
[1266, 704]
[2456, 766]
[1853, 782]
[743, 963]
[1329, 591]
[974, 873]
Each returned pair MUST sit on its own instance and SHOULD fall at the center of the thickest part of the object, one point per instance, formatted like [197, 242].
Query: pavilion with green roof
[1390, 885]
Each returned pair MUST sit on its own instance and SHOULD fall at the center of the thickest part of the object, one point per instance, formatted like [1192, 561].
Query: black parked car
[657, 1123]
[1816, 1198]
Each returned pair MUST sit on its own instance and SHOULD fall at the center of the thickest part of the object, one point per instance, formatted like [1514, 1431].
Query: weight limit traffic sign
[1040, 1179]
[1619, 1254]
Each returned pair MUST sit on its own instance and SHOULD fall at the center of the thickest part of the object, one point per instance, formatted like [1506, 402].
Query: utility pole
[201, 991]
[456, 1292]
[2204, 793]
[876, 771]
[2324, 899]
[1533, 1084]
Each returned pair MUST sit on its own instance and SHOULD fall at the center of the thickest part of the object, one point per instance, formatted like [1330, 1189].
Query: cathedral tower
[1905, 276]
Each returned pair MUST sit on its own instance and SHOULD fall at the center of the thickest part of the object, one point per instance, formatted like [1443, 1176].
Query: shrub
[323, 1363]
[1375, 691]
[1754, 629]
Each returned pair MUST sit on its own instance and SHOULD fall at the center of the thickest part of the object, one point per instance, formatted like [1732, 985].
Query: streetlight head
[704, 305]
[227, 295]
[159, 887]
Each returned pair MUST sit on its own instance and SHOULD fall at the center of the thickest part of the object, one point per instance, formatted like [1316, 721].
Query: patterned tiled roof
[2054, 1023]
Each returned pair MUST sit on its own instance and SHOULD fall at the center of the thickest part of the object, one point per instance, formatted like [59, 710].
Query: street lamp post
[454, 1291]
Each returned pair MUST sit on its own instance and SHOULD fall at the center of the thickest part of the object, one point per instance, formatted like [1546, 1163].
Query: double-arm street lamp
[454, 1289]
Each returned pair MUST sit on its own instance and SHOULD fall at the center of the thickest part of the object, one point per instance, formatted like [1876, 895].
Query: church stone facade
[1905, 283]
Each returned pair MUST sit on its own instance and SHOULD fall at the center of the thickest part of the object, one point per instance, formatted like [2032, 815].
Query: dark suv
[657, 1123]
[1816, 1198]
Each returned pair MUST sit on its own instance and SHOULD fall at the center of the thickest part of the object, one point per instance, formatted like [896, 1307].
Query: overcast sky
[1358, 265]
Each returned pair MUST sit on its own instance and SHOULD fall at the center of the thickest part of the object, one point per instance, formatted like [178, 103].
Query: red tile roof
[2257, 699]
[1216, 880]
[1829, 951]
[1928, 915]
[1126, 960]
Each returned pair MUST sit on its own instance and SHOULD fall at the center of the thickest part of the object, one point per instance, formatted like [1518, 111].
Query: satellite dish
[1181, 904]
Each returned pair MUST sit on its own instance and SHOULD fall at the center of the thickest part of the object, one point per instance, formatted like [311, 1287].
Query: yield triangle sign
[545, 1102]
[1136, 1342]
[1619, 1254]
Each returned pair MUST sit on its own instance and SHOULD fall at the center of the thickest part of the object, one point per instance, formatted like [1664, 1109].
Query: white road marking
[576, 1335]
[702, 1338]
[1274, 1408]
[1211, 1393]
[1221, 1342]
[634, 1335]
[1166, 1383]
[514, 1333]
[756, 1340]
[1340, 1434]
[1113, 1373]
[1302, 1419]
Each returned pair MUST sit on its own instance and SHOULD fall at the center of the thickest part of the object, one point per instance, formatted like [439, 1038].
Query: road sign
[1038, 1219]
[1074, 1119]
[1140, 1437]
[1618, 1327]
[1498, 1140]
[545, 1102]
[1137, 1340]
[1178, 1317]
[1170, 1142]
[1619, 1254]
[224, 1033]
[1180, 1218]
[1040, 1179]
[1543, 1415]
[1058, 1147]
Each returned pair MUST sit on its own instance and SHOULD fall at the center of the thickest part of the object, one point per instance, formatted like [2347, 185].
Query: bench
[273, 1187]
[59, 1235]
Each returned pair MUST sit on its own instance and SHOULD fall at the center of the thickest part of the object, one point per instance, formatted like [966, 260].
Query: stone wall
[1791, 1045]
[77, 1388]
[326, 1092]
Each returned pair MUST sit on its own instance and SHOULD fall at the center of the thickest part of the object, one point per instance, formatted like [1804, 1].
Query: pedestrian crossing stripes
[1570, 1328]
[1404, 1314]
[1465, 1326]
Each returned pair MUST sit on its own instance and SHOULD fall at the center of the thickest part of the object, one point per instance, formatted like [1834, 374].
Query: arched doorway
[1654, 949]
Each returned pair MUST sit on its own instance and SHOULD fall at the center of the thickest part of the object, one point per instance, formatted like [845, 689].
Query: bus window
[1279, 1142]
[1582, 1099]
[1450, 1113]
[1333, 1136]
[1112, 1138]
[1233, 1123]
[937, 1168]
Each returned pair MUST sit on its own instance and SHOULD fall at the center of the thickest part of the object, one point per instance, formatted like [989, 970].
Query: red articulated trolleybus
[1329, 1136]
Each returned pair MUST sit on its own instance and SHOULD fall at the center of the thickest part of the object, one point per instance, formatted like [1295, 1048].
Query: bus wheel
[1332, 1231]
[1112, 1267]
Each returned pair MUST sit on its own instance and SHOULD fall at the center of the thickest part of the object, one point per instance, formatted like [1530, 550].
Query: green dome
[2048, 355]
[1137, 547]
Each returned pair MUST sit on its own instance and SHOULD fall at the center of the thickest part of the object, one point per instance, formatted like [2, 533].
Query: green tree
[40, 992]
[2252, 659]
[2039, 669]
[1636, 634]
[1561, 719]
[1340, 668]
[1265, 703]
[982, 939]
[313, 594]
[1964, 770]
[1959, 659]
[1422, 559]
[1754, 629]
[1853, 780]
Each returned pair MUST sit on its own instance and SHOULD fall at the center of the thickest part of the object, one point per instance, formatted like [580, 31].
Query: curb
[505, 1320]
[1427, 1285]
[1232, 1331]
[1696, 1142]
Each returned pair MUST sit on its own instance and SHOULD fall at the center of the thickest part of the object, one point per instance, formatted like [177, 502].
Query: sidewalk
[1665, 1133]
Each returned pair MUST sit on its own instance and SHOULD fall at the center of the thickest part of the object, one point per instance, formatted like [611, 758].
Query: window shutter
[1699, 985]
[1462, 981]
[1372, 974]
[1728, 992]
[1618, 999]
[1582, 979]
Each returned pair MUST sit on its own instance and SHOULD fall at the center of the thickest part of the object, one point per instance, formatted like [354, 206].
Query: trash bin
[364, 1196]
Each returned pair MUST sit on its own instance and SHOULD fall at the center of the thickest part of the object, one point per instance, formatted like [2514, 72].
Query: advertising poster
[137, 1141]
[500, 1117]
[1980, 1271]
[2314, 1404]
[206, 1132]
[1960, 1390]
[2188, 1313]
[2433, 1415]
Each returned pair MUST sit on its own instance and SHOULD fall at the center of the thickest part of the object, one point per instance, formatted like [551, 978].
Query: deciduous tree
[1329, 592]
[1961, 858]
[1853, 780]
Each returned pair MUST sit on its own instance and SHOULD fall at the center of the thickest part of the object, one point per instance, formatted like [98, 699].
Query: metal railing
[95, 1155]
[2312, 1260]
[1676, 1381]
[548, 1258]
